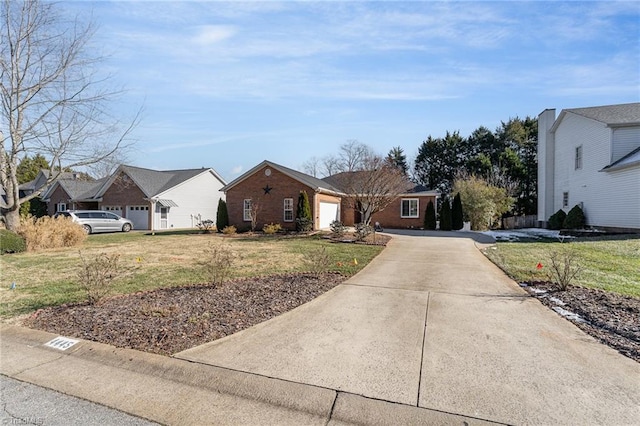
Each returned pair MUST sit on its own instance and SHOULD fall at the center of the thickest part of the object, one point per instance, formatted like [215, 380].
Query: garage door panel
[139, 215]
[328, 213]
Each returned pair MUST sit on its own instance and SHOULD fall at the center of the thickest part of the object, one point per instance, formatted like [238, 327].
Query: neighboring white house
[151, 199]
[591, 157]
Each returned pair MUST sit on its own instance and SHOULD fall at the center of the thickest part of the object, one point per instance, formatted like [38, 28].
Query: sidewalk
[429, 332]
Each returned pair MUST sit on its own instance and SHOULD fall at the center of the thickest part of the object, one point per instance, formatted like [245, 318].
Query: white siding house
[591, 157]
[193, 201]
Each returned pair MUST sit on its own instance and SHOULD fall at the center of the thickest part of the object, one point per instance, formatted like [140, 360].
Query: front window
[288, 209]
[409, 208]
[61, 207]
[579, 157]
[246, 211]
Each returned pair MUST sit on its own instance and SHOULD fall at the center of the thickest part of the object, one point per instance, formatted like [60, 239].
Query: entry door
[164, 212]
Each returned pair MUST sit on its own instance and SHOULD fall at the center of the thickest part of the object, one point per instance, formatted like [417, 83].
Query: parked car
[98, 221]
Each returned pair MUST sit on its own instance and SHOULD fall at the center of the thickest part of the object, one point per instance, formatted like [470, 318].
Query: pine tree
[430, 217]
[304, 221]
[222, 216]
[457, 222]
[445, 216]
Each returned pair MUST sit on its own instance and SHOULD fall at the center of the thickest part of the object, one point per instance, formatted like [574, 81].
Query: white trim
[578, 158]
[285, 210]
[246, 210]
[410, 216]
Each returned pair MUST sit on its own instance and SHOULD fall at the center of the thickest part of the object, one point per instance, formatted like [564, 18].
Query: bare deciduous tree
[312, 166]
[373, 188]
[354, 156]
[53, 102]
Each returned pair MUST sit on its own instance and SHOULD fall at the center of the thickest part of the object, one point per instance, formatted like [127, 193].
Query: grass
[608, 264]
[49, 277]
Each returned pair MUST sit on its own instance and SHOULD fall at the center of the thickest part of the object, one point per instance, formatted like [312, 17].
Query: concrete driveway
[432, 323]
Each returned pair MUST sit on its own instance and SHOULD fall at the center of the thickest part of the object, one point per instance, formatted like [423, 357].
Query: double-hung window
[246, 211]
[409, 208]
[61, 207]
[288, 209]
[578, 157]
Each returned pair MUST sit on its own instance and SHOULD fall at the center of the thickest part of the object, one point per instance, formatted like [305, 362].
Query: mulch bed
[168, 321]
[611, 318]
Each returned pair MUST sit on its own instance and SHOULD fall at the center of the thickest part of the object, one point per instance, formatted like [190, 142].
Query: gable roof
[154, 182]
[76, 189]
[338, 180]
[316, 184]
[611, 115]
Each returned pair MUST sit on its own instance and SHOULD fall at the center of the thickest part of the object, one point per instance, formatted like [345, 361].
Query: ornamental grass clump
[47, 232]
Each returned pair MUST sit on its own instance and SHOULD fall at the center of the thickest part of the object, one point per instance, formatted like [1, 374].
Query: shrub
[564, 267]
[457, 222]
[10, 242]
[575, 219]
[556, 221]
[337, 228]
[96, 275]
[318, 260]
[217, 262]
[222, 215]
[229, 230]
[430, 217]
[304, 221]
[482, 203]
[47, 232]
[271, 228]
[445, 216]
[362, 231]
[206, 226]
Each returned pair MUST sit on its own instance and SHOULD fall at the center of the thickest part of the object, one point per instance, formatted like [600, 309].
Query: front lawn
[49, 278]
[611, 264]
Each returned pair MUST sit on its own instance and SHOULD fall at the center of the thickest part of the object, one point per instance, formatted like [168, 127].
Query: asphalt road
[26, 404]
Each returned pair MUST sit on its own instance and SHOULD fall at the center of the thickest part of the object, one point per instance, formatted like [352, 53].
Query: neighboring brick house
[151, 199]
[276, 189]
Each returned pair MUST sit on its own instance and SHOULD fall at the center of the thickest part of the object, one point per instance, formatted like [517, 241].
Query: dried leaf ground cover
[611, 318]
[168, 321]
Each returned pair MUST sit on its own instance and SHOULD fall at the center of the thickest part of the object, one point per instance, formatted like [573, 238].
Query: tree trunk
[12, 219]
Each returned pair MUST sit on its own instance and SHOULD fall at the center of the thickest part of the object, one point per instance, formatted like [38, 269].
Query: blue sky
[227, 85]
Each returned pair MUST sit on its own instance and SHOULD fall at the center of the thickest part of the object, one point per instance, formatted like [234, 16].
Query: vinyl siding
[610, 199]
[196, 198]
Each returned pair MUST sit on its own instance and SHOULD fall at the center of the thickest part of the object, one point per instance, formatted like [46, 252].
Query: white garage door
[139, 215]
[328, 213]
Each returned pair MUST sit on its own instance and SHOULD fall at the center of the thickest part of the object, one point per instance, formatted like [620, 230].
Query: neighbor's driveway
[431, 322]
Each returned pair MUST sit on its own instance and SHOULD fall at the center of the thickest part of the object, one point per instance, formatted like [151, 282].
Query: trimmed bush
[47, 232]
[337, 228]
[222, 215]
[556, 221]
[430, 217]
[457, 222]
[10, 242]
[445, 216]
[575, 219]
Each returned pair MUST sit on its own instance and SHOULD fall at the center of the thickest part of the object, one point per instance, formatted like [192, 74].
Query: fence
[517, 222]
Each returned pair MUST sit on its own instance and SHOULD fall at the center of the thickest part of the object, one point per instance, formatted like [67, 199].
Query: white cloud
[212, 34]
[237, 170]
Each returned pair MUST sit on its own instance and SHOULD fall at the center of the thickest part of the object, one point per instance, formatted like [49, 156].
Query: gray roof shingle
[611, 114]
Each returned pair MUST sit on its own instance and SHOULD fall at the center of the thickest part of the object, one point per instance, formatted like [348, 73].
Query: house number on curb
[61, 343]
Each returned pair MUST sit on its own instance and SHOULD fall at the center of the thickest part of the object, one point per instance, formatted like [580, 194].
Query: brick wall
[58, 196]
[390, 217]
[271, 204]
[124, 192]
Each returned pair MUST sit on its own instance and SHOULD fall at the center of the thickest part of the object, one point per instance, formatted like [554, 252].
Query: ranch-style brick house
[276, 188]
[151, 199]
[591, 157]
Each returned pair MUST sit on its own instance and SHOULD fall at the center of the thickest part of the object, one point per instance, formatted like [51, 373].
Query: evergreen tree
[430, 217]
[575, 219]
[445, 216]
[222, 215]
[397, 159]
[304, 221]
[456, 213]
[28, 168]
